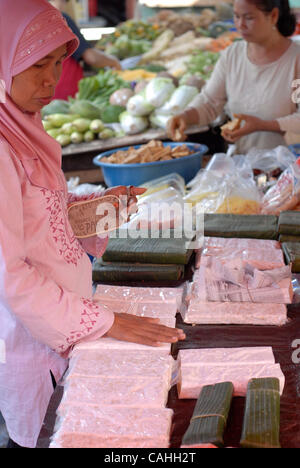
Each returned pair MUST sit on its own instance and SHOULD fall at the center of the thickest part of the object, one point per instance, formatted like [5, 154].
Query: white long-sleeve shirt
[265, 91]
[45, 296]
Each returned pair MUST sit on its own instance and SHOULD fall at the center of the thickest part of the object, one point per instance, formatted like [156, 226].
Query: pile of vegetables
[131, 38]
[96, 101]
[155, 104]
[71, 128]
[202, 63]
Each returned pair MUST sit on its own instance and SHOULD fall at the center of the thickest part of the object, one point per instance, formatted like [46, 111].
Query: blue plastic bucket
[137, 174]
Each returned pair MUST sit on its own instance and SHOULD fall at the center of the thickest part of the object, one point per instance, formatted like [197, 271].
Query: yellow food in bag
[238, 205]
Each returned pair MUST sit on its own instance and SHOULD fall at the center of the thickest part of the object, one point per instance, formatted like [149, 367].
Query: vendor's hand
[176, 127]
[113, 62]
[128, 197]
[250, 124]
[143, 330]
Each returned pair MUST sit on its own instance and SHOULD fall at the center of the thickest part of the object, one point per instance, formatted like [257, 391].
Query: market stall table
[285, 342]
[282, 339]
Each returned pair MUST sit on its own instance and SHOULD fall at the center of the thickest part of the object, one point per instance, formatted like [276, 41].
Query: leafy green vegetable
[111, 113]
[125, 47]
[202, 63]
[100, 86]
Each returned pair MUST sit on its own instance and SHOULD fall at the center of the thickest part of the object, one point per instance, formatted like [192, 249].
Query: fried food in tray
[150, 152]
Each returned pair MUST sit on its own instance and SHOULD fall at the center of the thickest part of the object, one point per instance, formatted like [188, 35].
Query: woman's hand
[113, 62]
[250, 124]
[143, 330]
[127, 196]
[176, 127]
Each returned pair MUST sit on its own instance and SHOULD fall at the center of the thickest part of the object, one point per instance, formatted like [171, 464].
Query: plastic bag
[239, 195]
[83, 189]
[285, 194]
[269, 160]
[170, 180]
[205, 193]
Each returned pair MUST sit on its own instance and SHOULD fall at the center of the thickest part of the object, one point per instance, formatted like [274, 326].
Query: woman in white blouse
[255, 79]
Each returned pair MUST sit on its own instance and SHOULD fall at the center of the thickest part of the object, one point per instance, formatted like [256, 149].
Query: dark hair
[286, 23]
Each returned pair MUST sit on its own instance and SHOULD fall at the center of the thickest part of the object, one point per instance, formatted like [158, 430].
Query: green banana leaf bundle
[291, 252]
[242, 226]
[261, 422]
[210, 416]
[117, 272]
[289, 223]
[150, 250]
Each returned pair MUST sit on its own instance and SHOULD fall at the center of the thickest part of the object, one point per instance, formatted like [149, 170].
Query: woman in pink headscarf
[45, 275]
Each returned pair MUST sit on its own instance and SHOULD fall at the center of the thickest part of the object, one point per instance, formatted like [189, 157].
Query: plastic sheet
[139, 294]
[104, 427]
[260, 253]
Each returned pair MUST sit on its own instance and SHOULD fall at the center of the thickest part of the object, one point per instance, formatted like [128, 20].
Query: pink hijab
[30, 30]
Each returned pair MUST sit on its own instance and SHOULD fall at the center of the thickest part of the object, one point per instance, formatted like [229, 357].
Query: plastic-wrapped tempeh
[209, 418]
[261, 422]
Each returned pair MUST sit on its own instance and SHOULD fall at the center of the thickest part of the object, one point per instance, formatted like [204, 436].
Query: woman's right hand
[176, 127]
[143, 330]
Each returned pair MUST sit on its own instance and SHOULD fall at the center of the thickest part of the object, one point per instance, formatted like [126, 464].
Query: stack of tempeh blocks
[239, 281]
[116, 392]
[200, 367]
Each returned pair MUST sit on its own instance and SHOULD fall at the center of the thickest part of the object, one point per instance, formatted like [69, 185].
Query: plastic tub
[137, 174]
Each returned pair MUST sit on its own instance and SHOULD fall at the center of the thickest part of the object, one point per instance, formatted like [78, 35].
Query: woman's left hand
[127, 196]
[250, 124]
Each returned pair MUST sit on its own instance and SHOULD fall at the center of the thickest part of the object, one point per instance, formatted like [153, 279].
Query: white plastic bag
[269, 160]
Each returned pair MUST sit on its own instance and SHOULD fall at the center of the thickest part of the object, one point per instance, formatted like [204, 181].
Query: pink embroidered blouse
[45, 296]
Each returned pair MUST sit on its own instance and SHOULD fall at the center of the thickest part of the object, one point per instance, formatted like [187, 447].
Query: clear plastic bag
[170, 180]
[269, 160]
[285, 194]
[239, 195]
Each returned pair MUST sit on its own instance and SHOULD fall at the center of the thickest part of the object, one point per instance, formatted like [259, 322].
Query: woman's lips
[45, 101]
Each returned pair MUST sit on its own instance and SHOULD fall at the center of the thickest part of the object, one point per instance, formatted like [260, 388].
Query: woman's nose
[239, 23]
[51, 77]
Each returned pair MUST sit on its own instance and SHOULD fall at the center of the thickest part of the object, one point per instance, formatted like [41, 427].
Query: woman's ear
[275, 16]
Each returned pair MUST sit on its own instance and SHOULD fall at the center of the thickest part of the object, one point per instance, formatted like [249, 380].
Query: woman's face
[253, 24]
[34, 88]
